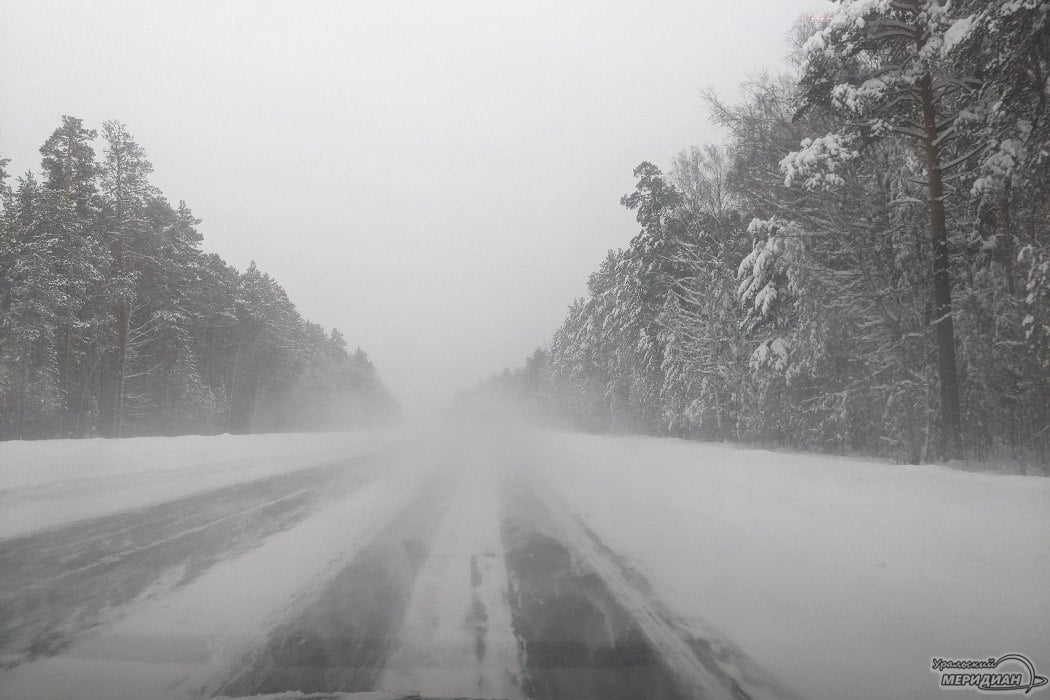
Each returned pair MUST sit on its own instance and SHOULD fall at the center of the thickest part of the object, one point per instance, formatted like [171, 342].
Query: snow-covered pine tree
[879, 63]
[126, 193]
[646, 277]
[80, 262]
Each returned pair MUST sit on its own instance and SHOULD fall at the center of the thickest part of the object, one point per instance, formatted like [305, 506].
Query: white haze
[434, 178]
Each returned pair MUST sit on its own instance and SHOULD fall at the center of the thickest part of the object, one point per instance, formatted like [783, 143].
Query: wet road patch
[576, 639]
[57, 583]
[341, 639]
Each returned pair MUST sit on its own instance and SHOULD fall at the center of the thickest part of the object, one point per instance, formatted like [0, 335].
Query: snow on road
[503, 564]
[708, 665]
[456, 639]
[182, 643]
[48, 483]
[56, 582]
[842, 577]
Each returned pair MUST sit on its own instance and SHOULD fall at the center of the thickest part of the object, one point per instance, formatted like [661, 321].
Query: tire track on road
[703, 665]
[57, 583]
[576, 639]
[340, 639]
[457, 638]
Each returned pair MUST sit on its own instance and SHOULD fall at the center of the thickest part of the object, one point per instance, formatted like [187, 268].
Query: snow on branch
[768, 273]
[815, 164]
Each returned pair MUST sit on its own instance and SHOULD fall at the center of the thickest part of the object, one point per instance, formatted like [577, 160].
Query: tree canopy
[114, 322]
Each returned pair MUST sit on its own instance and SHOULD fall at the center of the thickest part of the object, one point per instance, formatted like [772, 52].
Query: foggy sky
[434, 178]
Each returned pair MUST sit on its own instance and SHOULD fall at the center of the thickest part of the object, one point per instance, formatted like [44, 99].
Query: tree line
[863, 265]
[113, 321]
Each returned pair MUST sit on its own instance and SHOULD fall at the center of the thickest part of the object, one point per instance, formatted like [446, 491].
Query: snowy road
[58, 582]
[494, 564]
[441, 573]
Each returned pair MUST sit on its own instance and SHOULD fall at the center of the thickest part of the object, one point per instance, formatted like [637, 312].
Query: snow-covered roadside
[47, 483]
[180, 643]
[841, 577]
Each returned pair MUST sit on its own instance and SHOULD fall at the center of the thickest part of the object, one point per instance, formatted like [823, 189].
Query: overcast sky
[434, 178]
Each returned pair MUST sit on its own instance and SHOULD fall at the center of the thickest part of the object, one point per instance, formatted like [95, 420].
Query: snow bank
[842, 577]
[47, 483]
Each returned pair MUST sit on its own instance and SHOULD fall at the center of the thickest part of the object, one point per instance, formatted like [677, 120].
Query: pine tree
[80, 259]
[113, 322]
[126, 191]
[880, 64]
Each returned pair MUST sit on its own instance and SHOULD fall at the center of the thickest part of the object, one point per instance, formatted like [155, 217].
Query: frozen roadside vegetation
[842, 577]
[47, 483]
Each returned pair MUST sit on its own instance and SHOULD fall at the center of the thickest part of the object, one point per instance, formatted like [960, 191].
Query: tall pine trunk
[66, 381]
[943, 327]
[21, 426]
[104, 425]
[1007, 246]
[123, 329]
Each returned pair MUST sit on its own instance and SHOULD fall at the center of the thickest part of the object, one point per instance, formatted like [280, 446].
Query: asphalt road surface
[471, 582]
